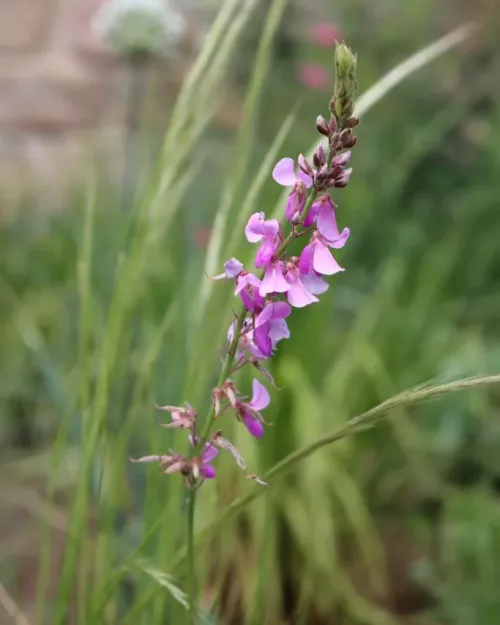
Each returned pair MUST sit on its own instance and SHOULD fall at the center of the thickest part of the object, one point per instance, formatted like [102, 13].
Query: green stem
[192, 590]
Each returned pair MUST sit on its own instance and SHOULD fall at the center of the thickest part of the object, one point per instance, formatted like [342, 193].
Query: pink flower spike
[274, 281]
[260, 396]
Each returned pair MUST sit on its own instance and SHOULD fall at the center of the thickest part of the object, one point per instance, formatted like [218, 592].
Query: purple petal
[253, 229]
[323, 261]
[307, 180]
[265, 316]
[298, 296]
[270, 227]
[314, 284]
[246, 280]
[340, 242]
[265, 252]
[306, 259]
[260, 396]
[311, 215]
[274, 281]
[207, 471]
[295, 202]
[278, 330]
[253, 425]
[209, 454]
[233, 268]
[281, 310]
[263, 340]
[284, 172]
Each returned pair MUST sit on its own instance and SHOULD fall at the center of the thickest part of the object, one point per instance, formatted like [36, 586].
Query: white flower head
[139, 26]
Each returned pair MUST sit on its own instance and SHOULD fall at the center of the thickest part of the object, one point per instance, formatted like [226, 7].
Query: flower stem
[192, 589]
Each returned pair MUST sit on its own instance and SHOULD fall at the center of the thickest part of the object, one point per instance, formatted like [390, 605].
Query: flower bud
[351, 142]
[304, 166]
[342, 104]
[319, 157]
[139, 27]
[322, 126]
[352, 122]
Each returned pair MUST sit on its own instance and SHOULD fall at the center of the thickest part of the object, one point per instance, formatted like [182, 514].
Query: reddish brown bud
[332, 125]
[319, 157]
[322, 174]
[350, 143]
[322, 126]
[304, 165]
[352, 122]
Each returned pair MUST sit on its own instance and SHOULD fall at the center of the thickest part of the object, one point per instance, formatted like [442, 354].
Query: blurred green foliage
[106, 315]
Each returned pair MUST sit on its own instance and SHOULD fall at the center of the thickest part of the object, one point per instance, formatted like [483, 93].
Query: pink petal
[284, 172]
[233, 268]
[307, 180]
[260, 396]
[323, 261]
[274, 282]
[306, 259]
[253, 229]
[281, 310]
[278, 330]
[340, 242]
[263, 341]
[298, 296]
[253, 425]
[207, 471]
[327, 227]
[265, 252]
[265, 315]
[314, 284]
[210, 453]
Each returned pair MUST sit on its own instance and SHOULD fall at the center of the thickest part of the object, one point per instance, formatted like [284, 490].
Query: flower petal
[278, 330]
[233, 268]
[284, 172]
[323, 261]
[314, 284]
[207, 471]
[298, 296]
[260, 396]
[265, 252]
[306, 259]
[307, 180]
[253, 425]
[274, 281]
[210, 453]
[253, 229]
[262, 340]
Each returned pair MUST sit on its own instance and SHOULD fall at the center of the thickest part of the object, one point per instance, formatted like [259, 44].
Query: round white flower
[139, 26]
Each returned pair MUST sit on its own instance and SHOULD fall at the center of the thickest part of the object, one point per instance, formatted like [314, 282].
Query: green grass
[107, 315]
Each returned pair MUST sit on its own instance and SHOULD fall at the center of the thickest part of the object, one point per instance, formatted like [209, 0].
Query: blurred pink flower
[314, 76]
[325, 34]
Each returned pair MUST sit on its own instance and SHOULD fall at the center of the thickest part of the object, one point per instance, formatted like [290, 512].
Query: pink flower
[247, 286]
[326, 34]
[314, 76]
[317, 257]
[298, 295]
[274, 281]
[267, 231]
[270, 326]
[249, 412]
[284, 174]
